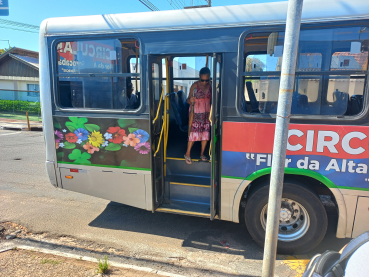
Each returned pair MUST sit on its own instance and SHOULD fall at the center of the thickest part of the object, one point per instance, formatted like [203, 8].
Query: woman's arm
[190, 98]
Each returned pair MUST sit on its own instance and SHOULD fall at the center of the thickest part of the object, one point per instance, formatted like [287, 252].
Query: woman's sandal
[188, 159]
[203, 158]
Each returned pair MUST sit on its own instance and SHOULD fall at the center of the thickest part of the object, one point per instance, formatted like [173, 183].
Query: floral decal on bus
[102, 141]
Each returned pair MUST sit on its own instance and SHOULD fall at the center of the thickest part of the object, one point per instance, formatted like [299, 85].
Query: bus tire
[303, 219]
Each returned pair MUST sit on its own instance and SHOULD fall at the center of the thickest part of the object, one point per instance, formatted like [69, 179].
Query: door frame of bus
[215, 132]
[156, 136]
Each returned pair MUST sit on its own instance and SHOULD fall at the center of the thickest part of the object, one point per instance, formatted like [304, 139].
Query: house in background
[19, 75]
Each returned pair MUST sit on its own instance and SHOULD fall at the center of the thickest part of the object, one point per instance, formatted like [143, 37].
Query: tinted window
[98, 74]
[341, 51]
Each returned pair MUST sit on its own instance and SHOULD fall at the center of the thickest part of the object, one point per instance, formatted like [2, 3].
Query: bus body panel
[338, 154]
[247, 148]
[130, 187]
[105, 157]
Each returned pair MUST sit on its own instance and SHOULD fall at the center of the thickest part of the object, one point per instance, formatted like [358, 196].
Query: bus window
[96, 74]
[186, 72]
[341, 51]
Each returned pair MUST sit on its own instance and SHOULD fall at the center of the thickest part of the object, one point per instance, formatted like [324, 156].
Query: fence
[14, 104]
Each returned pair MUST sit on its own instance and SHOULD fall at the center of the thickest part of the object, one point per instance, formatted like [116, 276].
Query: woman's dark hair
[204, 71]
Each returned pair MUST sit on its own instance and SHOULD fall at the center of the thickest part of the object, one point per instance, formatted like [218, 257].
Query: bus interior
[185, 188]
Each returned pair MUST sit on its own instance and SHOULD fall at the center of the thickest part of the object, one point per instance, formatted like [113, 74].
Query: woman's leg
[189, 146]
[203, 145]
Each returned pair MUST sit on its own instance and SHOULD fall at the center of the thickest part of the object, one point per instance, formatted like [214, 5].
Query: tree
[254, 64]
[2, 51]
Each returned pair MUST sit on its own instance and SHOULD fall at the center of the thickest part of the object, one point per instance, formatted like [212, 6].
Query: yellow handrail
[211, 124]
[161, 134]
[161, 99]
[166, 116]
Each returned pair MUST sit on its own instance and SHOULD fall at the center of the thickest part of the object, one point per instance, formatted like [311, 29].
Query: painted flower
[64, 131]
[71, 137]
[79, 141]
[108, 136]
[61, 144]
[95, 139]
[57, 145]
[105, 143]
[58, 136]
[81, 134]
[90, 148]
[143, 148]
[131, 140]
[117, 134]
[142, 135]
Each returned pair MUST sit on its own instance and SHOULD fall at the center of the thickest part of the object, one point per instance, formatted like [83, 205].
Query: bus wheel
[303, 219]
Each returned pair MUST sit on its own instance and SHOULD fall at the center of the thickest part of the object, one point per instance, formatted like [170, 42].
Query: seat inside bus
[180, 109]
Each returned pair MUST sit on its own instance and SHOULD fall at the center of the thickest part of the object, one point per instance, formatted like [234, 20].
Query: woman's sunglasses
[207, 80]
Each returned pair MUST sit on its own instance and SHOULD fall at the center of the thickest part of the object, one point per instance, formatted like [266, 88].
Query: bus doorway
[177, 186]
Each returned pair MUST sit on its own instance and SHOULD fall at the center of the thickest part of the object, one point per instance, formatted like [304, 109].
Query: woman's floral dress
[200, 129]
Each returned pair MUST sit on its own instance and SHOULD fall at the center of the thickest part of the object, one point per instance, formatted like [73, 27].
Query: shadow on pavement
[201, 233]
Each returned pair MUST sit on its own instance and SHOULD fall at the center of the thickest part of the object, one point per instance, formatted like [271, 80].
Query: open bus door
[156, 96]
[215, 133]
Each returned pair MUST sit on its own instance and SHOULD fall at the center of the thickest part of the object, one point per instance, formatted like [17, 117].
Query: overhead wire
[19, 24]
[171, 3]
[149, 5]
[17, 29]
[178, 4]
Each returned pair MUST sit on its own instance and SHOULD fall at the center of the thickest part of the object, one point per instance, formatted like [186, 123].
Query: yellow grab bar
[161, 134]
[161, 99]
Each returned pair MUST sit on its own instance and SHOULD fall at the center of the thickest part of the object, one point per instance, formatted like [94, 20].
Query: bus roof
[215, 17]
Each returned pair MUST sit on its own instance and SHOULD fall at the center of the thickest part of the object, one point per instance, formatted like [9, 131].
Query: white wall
[16, 90]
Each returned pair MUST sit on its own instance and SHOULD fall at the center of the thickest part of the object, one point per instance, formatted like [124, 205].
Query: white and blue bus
[115, 116]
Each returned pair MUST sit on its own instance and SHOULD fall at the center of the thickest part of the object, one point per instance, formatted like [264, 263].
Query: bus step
[188, 188]
[185, 208]
[176, 166]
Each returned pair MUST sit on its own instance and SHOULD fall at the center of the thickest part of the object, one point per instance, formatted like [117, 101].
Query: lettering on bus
[339, 152]
[74, 56]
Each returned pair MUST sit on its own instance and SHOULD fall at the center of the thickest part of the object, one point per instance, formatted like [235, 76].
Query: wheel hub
[294, 221]
[285, 214]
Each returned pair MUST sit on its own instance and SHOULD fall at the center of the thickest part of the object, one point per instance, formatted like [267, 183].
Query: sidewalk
[19, 125]
[18, 262]
[25, 254]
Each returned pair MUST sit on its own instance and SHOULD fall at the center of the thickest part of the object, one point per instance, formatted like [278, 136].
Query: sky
[35, 11]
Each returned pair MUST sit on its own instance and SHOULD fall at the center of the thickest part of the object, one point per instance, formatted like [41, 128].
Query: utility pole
[281, 134]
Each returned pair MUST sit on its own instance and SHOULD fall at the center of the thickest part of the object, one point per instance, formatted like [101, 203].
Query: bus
[115, 116]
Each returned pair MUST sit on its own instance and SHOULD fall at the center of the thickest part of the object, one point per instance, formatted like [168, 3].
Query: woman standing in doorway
[199, 97]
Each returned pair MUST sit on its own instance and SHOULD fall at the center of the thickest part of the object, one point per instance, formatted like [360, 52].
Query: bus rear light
[74, 170]
[69, 176]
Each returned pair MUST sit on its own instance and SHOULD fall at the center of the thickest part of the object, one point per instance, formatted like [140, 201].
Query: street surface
[27, 198]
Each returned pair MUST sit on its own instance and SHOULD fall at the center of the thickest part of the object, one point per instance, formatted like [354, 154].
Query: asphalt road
[27, 198]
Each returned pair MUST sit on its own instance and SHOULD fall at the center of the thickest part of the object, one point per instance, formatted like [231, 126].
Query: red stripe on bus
[336, 141]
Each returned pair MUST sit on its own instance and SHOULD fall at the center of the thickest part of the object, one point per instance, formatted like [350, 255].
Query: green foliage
[80, 158]
[92, 127]
[75, 123]
[113, 147]
[3, 50]
[123, 123]
[18, 105]
[68, 145]
[131, 130]
[103, 265]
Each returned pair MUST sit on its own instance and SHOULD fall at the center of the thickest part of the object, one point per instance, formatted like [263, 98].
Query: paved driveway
[27, 198]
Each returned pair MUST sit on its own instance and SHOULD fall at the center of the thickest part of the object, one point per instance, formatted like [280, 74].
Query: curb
[20, 127]
[10, 246]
